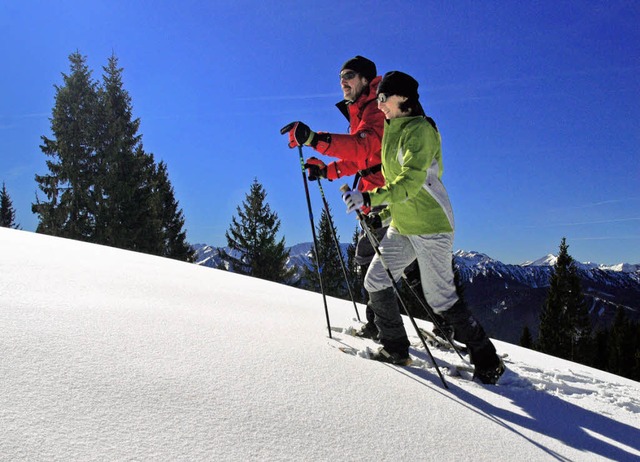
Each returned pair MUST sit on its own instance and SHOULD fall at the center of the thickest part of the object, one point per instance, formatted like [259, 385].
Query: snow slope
[112, 355]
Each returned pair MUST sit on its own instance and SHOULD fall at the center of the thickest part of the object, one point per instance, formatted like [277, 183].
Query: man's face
[352, 84]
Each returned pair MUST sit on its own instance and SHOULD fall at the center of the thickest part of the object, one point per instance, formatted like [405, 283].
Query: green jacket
[414, 195]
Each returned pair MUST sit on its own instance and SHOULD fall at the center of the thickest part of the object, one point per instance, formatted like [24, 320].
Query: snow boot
[388, 320]
[394, 351]
[489, 375]
[443, 330]
[488, 366]
[395, 344]
[369, 330]
[392, 357]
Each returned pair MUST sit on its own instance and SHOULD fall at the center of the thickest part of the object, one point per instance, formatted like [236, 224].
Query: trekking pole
[376, 247]
[432, 318]
[315, 240]
[335, 240]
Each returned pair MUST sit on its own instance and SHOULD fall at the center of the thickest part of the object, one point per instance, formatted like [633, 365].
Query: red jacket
[358, 151]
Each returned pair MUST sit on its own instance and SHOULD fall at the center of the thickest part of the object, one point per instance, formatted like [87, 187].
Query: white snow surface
[107, 354]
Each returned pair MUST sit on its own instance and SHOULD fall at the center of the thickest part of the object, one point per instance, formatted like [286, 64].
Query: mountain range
[505, 297]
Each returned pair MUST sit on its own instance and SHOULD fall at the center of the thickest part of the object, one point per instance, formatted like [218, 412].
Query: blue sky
[537, 102]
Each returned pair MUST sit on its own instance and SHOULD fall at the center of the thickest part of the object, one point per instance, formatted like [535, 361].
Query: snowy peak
[301, 249]
[551, 260]
[547, 260]
[472, 258]
[620, 267]
[207, 255]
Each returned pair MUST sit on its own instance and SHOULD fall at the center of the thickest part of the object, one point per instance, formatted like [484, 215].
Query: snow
[547, 260]
[621, 267]
[113, 355]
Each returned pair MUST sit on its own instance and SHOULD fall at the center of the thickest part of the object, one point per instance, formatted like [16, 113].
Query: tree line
[101, 185]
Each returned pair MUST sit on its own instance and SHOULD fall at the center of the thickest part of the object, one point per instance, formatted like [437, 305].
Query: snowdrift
[111, 355]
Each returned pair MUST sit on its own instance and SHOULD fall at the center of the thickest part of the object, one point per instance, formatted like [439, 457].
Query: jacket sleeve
[418, 149]
[362, 146]
[340, 168]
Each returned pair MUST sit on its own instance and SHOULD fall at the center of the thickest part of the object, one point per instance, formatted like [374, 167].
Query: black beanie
[399, 83]
[363, 66]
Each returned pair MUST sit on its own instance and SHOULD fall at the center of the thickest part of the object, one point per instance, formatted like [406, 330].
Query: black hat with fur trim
[363, 66]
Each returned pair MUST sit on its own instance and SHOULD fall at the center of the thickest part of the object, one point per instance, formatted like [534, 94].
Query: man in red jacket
[358, 153]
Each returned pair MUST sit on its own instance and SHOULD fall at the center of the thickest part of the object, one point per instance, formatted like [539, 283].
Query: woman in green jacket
[421, 228]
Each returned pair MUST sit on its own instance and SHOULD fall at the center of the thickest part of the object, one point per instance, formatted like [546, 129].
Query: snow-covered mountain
[207, 255]
[299, 256]
[550, 260]
[107, 354]
[508, 297]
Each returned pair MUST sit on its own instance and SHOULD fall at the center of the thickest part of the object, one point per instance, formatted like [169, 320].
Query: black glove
[373, 221]
[317, 168]
[299, 134]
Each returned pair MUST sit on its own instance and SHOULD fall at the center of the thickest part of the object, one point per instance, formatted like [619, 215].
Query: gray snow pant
[433, 253]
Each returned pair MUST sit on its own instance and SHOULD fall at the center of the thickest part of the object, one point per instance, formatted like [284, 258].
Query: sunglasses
[382, 98]
[348, 75]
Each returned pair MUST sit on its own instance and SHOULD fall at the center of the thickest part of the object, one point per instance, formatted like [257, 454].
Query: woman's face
[390, 105]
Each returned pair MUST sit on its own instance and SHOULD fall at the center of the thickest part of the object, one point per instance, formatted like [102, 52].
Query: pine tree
[70, 206]
[251, 239]
[623, 345]
[329, 257]
[174, 237]
[600, 358]
[582, 342]
[139, 224]
[355, 271]
[122, 183]
[635, 368]
[7, 212]
[565, 329]
[526, 340]
[102, 186]
[140, 209]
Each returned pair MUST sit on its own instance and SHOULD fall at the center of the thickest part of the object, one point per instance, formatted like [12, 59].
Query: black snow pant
[467, 330]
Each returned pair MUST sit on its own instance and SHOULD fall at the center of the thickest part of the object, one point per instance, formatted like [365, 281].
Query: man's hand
[299, 134]
[317, 169]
